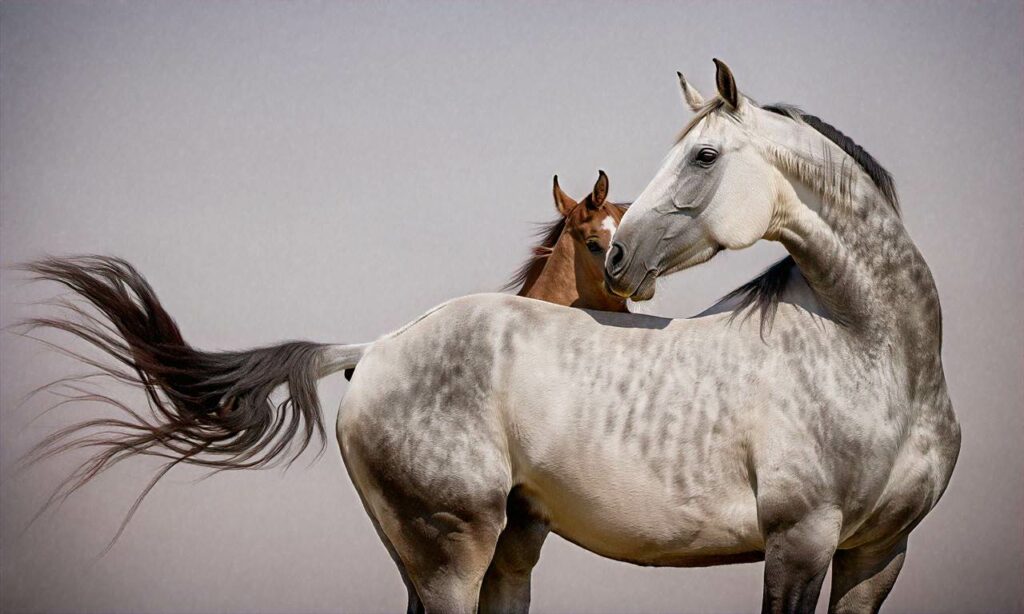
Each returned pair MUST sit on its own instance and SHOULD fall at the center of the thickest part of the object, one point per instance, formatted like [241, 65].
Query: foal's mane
[548, 234]
[765, 291]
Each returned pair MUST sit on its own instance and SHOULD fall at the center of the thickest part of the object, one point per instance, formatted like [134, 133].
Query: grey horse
[804, 421]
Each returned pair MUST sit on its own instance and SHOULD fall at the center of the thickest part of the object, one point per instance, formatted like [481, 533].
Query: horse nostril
[616, 257]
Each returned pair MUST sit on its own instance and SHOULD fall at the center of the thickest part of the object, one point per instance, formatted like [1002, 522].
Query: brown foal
[567, 268]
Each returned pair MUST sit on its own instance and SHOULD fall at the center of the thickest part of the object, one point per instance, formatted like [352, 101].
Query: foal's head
[567, 268]
[590, 223]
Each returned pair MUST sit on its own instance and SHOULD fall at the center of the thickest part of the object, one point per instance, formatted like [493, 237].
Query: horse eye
[707, 156]
[594, 247]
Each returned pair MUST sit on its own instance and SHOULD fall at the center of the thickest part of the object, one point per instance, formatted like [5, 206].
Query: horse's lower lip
[645, 291]
[613, 290]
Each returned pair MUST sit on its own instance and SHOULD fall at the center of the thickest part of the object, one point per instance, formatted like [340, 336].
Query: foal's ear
[726, 84]
[690, 94]
[600, 192]
[563, 203]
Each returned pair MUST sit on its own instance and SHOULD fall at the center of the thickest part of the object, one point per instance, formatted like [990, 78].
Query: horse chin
[645, 291]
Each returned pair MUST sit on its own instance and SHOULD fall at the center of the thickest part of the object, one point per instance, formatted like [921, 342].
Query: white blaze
[609, 225]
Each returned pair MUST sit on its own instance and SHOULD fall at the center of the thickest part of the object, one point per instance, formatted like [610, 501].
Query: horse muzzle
[621, 279]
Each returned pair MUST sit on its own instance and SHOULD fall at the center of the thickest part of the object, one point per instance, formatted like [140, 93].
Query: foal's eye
[594, 247]
[707, 156]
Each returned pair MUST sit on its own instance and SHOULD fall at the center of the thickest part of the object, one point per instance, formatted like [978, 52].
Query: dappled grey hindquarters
[276, 194]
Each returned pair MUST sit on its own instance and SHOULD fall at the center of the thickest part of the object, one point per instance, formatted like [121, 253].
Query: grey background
[329, 171]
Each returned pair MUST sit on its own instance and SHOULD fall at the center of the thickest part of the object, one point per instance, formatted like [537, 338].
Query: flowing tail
[211, 409]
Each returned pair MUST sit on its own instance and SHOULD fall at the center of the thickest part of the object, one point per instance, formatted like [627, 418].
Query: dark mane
[879, 176]
[765, 291]
[548, 234]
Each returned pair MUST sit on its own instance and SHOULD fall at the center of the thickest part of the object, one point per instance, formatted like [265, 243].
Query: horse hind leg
[442, 546]
[441, 527]
[442, 543]
[447, 554]
[862, 577]
[413, 603]
[506, 586]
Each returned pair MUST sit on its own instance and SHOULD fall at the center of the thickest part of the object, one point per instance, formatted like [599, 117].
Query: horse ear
[563, 203]
[600, 192]
[726, 84]
[690, 94]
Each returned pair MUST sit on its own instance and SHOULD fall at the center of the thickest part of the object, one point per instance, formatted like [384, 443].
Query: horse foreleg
[506, 586]
[797, 555]
[862, 577]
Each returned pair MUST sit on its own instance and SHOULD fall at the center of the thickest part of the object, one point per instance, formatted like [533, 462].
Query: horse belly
[617, 505]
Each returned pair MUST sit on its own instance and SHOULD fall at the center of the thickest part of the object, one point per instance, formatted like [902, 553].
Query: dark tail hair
[211, 409]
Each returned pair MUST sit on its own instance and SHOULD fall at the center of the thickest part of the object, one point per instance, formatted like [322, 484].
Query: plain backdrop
[328, 171]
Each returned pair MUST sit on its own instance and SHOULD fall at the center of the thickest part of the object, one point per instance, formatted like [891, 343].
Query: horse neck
[564, 280]
[858, 257]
